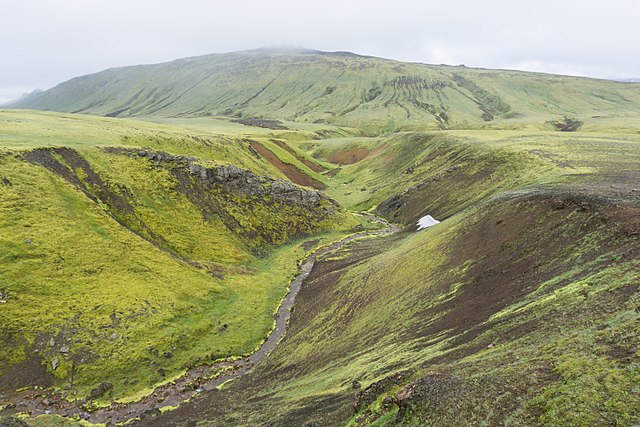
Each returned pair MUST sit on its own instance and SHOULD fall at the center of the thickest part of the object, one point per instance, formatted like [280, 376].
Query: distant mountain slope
[344, 89]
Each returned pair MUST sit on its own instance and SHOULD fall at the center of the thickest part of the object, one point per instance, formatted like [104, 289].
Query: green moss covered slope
[520, 308]
[124, 261]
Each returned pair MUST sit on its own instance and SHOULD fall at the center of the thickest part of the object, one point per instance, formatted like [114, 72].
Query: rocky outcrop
[259, 209]
[263, 123]
[100, 390]
[233, 179]
[12, 422]
[433, 390]
[366, 397]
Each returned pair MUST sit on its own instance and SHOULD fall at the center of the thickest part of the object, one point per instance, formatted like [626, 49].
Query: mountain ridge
[340, 88]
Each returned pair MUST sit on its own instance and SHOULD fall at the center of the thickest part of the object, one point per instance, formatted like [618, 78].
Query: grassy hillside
[521, 308]
[372, 94]
[408, 175]
[518, 308]
[459, 333]
[131, 251]
[124, 261]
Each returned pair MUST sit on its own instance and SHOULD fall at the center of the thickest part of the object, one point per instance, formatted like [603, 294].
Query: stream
[197, 379]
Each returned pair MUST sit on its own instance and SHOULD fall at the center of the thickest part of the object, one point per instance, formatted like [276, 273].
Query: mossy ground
[519, 309]
[113, 275]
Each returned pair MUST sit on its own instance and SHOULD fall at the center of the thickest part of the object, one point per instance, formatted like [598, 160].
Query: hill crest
[343, 89]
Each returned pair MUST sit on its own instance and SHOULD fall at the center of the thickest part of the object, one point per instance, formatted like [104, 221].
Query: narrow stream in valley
[198, 379]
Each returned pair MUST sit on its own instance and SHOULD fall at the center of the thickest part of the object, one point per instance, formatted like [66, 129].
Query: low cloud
[13, 93]
[67, 38]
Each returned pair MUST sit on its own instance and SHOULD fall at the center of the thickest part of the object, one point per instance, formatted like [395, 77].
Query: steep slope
[124, 262]
[408, 175]
[484, 319]
[519, 309]
[345, 89]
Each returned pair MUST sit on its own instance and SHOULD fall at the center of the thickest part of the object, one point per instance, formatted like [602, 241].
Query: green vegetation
[128, 270]
[520, 308]
[131, 251]
[485, 318]
[371, 94]
[442, 172]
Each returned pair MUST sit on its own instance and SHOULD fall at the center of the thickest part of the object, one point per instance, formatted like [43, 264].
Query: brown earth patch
[627, 216]
[32, 372]
[513, 260]
[308, 163]
[293, 173]
[350, 156]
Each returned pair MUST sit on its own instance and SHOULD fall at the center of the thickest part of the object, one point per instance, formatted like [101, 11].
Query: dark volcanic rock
[389, 207]
[263, 123]
[12, 422]
[149, 413]
[367, 396]
[433, 390]
[100, 390]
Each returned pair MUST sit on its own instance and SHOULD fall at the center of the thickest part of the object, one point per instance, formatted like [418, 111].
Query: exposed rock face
[432, 391]
[229, 177]
[236, 180]
[263, 123]
[259, 209]
[389, 207]
[367, 396]
[12, 422]
[100, 390]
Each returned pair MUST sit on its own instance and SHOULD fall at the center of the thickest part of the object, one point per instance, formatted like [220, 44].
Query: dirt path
[195, 380]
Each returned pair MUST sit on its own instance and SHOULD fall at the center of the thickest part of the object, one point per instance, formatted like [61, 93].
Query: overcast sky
[44, 42]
